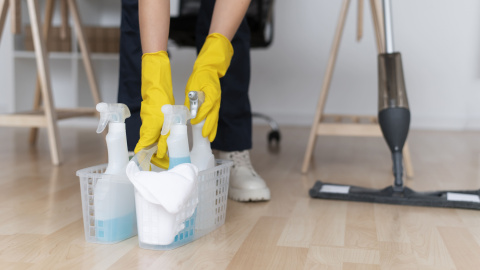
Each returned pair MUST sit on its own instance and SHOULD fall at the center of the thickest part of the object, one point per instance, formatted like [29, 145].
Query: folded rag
[170, 189]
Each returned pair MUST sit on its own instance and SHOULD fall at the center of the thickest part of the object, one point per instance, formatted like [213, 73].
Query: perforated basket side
[88, 180]
[213, 191]
[109, 230]
[148, 220]
[209, 214]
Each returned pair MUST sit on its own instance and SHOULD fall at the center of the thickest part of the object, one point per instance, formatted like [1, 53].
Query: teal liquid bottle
[176, 117]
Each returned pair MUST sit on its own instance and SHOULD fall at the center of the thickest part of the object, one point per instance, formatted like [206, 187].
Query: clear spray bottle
[114, 197]
[114, 115]
[175, 122]
[201, 154]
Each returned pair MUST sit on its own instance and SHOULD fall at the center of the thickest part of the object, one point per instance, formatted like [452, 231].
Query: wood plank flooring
[41, 216]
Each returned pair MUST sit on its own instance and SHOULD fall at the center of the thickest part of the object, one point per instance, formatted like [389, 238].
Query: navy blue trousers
[235, 120]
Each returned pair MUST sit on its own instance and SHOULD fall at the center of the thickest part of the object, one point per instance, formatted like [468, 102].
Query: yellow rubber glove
[211, 65]
[156, 92]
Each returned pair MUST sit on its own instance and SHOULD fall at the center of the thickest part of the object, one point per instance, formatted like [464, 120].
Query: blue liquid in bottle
[188, 233]
[177, 161]
[117, 229]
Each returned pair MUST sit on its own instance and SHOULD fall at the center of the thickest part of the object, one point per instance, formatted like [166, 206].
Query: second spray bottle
[176, 117]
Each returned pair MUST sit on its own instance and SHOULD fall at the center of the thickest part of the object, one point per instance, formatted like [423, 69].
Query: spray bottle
[114, 115]
[175, 122]
[201, 153]
[114, 198]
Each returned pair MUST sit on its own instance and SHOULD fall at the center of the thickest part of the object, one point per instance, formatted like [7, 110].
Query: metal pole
[387, 19]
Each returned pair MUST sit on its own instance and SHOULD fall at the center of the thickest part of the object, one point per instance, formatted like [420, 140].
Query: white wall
[438, 39]
[6, 72]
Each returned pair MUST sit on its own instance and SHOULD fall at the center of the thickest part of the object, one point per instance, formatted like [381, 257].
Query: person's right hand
[156, 92]
[212, 63]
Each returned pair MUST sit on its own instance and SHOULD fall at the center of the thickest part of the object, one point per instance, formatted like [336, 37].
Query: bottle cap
[174, 115]
[111, 112]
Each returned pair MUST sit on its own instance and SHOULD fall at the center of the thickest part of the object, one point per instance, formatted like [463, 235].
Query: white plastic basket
[207, 217]
[97, 231]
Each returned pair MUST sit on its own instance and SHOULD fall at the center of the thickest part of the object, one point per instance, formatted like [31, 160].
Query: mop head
[447, 199]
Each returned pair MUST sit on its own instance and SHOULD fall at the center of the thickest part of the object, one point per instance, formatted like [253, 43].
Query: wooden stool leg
[407, 160]
[50, 5]
[15, 16]
[377, 25]
[64, 15]
[360, 20]
[72, 5]
[326, 85]
[43, 69]
[3, 15]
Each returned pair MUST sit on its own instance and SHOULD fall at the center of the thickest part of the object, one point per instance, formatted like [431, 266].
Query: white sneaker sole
[243, 195]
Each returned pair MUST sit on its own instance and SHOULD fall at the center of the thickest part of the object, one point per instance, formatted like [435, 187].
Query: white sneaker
[245, 184]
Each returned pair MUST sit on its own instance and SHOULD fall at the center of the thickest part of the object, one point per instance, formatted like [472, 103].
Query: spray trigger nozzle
[174, 115]
[196, 100]
[111, 112]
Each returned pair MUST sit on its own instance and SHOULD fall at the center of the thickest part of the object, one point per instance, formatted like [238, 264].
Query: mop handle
[387, 22]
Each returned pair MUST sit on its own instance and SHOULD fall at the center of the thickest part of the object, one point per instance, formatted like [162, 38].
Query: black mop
[394, 120]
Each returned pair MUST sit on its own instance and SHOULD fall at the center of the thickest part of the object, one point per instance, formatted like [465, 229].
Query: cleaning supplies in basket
[114, 200]
[164, 200]
[201, 154]
[175, 122]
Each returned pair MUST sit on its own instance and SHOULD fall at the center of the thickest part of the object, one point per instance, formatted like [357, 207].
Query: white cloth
[164, 201]
[170, 189]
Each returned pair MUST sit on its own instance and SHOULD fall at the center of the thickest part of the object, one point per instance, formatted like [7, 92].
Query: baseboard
[305, 120]
[422, 122]
[473, 124]
[3, 108]
[439, 123]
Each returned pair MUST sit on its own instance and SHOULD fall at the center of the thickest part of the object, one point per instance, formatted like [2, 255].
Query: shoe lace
[242, 159]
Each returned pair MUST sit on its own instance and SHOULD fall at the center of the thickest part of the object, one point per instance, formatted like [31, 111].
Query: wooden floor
[41, 217]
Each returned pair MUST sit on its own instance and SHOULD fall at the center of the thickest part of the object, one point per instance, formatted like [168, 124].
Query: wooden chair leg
[360, 20]
[3, 15]
[326, 85]
[44, 72]
[377, 25]
[37, 101]
[407, 161]
[72, 6]
[47, 24]
[16, 16]
[64, 15]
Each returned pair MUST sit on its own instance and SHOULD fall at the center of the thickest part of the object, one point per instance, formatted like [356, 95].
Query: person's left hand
[211, 65]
